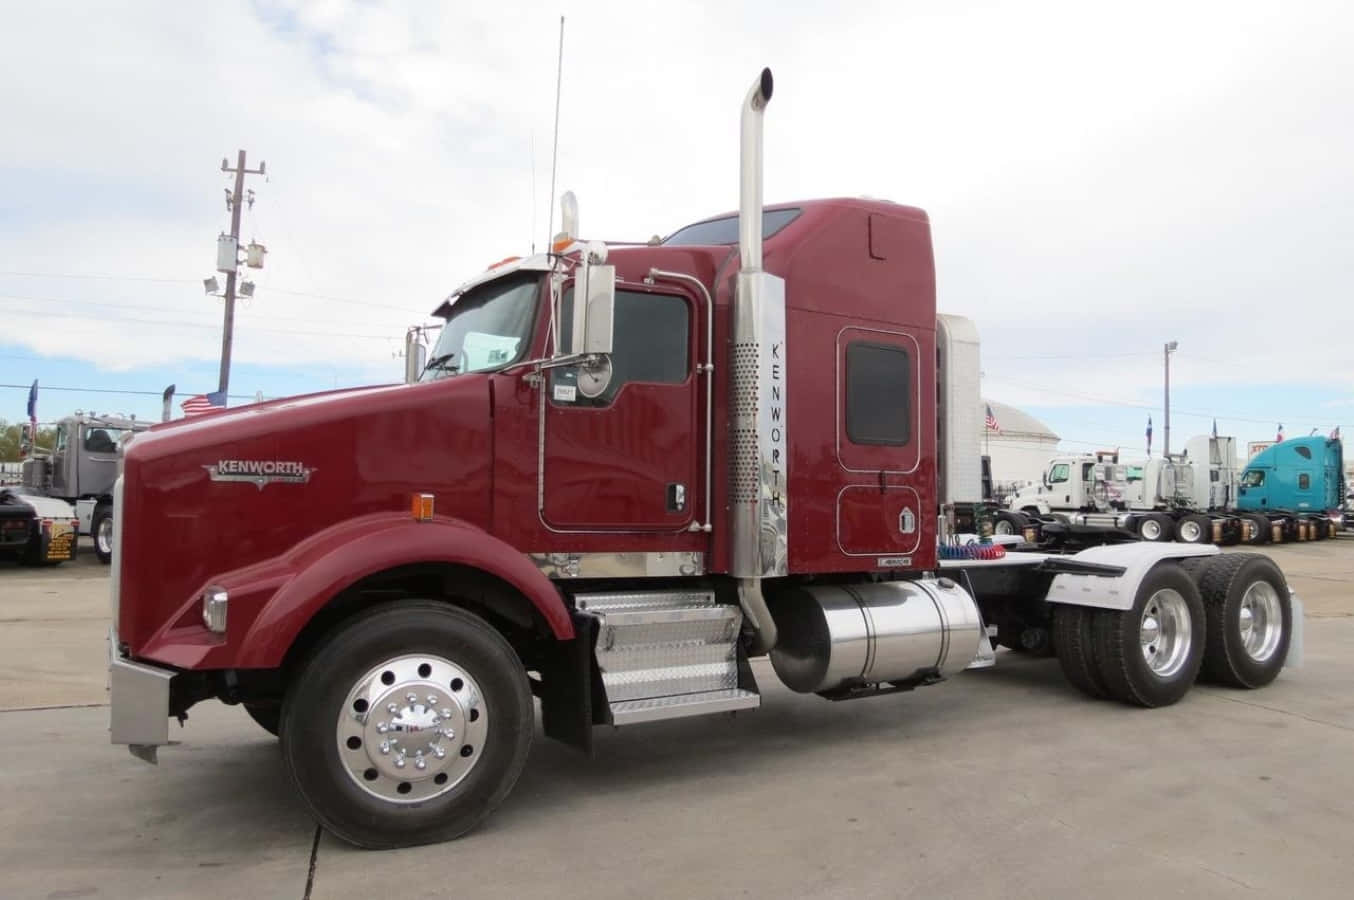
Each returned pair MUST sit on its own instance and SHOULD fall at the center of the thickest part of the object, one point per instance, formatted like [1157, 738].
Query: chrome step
[667, 654]
[630, 712]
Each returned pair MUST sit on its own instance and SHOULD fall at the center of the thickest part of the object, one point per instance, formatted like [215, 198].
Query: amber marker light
[423, 507]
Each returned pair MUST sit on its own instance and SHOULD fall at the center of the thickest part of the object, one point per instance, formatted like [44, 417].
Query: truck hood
[222, 492]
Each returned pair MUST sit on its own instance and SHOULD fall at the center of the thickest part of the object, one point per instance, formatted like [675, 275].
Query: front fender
[273, 601]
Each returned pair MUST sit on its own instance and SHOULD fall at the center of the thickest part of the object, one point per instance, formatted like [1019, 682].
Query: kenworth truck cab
[626, 473]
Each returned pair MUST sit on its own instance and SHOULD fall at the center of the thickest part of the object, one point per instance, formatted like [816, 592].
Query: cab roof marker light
[422, 507]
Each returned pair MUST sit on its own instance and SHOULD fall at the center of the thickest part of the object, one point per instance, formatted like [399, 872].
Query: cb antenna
[554, 158]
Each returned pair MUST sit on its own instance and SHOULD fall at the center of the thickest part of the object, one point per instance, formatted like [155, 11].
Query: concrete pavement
[1004, 782]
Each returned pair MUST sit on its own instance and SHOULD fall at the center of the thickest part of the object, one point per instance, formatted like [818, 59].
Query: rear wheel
[1076, 649]
[1155, 527]
[1250, 619]
[407, 726]
[1195, 529]
[1150, 654]
[1259, 530]
[101, 529]
[1008, 523]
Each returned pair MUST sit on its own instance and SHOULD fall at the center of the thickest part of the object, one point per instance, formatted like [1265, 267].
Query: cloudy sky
[1101, 178]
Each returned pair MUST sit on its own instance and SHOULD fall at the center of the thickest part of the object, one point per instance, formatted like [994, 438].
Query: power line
[139, 306]
[84, 390]
[178, 323]
[316, 296]
[1153, 408]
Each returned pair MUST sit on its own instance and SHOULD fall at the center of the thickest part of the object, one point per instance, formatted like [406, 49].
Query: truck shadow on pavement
[246, 782]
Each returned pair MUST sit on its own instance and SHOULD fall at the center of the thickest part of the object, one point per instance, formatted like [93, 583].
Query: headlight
[214, 601]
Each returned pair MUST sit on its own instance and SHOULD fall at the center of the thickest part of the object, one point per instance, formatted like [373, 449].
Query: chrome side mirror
[415, 355]
[594, 309]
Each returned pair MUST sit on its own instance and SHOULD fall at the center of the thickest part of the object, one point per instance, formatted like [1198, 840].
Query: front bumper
[138, 703]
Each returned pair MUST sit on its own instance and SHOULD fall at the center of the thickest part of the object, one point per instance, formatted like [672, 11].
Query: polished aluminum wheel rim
[1003, 526]
[1260, 621]
[1151, 529]
[1165, 632]
[412, 728]
[104, 535]
[1190, 531]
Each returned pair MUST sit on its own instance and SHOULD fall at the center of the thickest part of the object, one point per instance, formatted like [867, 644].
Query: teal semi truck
[1292, 481]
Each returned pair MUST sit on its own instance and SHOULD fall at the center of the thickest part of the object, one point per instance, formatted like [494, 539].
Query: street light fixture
[1170, 347]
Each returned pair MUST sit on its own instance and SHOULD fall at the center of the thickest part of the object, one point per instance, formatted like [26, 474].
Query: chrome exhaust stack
[757, 430]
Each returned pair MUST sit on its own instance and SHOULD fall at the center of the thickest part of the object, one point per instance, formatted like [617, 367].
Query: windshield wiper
[440, 362]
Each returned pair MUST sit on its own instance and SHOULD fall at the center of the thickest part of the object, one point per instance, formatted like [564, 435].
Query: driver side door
[625, 460]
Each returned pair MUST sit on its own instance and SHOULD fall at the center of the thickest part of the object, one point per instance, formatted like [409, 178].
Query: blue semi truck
[1295, 481]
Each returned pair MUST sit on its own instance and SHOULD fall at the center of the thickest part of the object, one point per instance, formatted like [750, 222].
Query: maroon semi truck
[624, 473]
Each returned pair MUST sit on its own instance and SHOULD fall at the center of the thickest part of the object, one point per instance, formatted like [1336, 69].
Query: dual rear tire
[1226, 618]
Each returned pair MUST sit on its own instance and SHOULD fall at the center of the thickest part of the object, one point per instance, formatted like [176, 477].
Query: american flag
[204, 403]
[1278, 438]
[1335, 433]
[992, 421]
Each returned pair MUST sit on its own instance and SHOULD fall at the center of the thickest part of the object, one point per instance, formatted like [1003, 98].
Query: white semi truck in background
[1196, 497]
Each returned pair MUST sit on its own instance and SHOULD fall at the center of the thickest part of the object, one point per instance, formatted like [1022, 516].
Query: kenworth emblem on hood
[260, 472]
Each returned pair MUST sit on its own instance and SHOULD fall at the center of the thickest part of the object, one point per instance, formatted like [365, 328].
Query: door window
[651, 343]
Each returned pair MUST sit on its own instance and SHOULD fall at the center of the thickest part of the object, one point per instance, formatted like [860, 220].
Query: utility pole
[236, 203]
[1166, 441]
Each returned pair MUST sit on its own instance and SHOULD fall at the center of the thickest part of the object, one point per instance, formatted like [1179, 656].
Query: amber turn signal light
[423, 507]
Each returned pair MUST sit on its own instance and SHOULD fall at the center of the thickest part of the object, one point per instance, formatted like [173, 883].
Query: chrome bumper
[138, 703]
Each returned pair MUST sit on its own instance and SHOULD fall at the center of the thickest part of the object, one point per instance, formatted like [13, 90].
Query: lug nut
[385, 746]
[411, 697]
[399, 762]
[392, 708]
[439, 752]
[432, 699]
[420, 764]
[446, 713]
[448, 733]
[382, 727]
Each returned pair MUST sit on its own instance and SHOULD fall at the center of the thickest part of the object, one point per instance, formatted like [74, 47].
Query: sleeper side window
[878, 394]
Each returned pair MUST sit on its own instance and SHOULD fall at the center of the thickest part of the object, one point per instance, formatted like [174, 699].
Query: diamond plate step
[630, 712]
[667, 654]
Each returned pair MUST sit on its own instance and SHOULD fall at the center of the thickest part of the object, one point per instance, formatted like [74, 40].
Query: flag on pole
[204, 403]
[1149, 435]
[992, 421]
[33, 408]
[1278, 439]
[1215, 428]
[1335, 433]
[1313, 432]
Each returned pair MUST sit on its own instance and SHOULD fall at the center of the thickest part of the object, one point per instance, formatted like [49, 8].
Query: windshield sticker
[487, 351]
[260, 472]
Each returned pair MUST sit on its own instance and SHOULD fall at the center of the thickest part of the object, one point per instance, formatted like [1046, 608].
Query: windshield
[102, 439]
[489, 328]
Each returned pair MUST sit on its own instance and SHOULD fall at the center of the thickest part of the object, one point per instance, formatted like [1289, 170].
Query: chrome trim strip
[618, 564]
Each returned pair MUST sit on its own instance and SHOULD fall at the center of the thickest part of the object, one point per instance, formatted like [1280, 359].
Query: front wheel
[407, 726]
[101, 529]
[1150, 654]
[1008, 523]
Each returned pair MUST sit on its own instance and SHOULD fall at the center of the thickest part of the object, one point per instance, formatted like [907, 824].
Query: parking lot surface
[1002, 783]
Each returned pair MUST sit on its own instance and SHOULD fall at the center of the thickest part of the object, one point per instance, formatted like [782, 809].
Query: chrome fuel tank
[835, 636]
